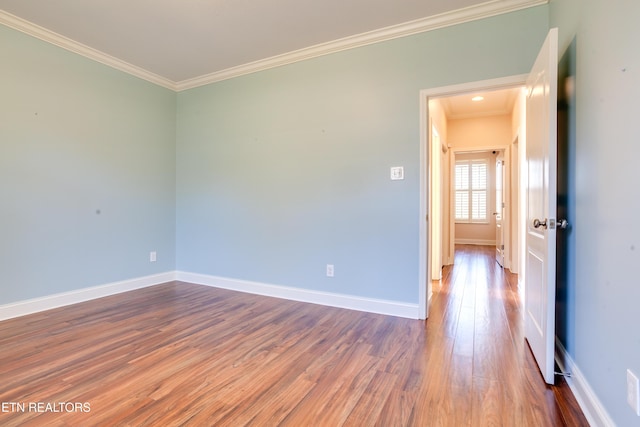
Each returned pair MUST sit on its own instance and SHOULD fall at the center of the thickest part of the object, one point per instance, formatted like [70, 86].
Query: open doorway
[475, 191]
[449, 132]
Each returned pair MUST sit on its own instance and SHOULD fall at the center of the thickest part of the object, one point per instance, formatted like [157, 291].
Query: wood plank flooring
[182, 354]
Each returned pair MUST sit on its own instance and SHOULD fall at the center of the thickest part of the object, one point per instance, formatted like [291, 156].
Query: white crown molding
[472, 13]
[56, 39]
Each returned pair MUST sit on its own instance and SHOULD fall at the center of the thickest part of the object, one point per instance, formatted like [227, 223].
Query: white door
[540, 280]
[499, 211]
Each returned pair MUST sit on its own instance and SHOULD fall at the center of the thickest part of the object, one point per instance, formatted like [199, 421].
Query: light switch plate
[397, 172]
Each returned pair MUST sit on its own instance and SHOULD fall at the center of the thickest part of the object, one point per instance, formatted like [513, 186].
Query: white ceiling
[181, 40]
[495, 103]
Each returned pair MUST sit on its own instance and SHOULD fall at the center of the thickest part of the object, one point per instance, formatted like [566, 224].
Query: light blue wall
[284, 171]
[605, 289]
[77, 137]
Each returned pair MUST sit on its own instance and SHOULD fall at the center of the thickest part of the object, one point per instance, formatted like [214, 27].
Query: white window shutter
[471, 184]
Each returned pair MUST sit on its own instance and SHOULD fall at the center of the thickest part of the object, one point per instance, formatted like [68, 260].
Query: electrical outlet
[633, 392]
[330, 270]
[152, 256]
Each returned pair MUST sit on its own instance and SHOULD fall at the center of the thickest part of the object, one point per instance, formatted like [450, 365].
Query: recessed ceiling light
[477, 98]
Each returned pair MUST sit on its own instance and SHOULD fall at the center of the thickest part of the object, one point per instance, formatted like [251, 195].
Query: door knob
[537, 223]
[563, 223]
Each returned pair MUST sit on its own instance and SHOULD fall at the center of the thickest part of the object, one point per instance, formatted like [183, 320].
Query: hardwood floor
[183, 354]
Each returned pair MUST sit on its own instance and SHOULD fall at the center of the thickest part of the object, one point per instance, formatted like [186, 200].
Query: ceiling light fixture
[477, 98]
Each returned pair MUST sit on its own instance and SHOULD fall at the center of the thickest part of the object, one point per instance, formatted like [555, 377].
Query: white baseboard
[482, 242]
[391, 308]
[593, 410]
[22, 308]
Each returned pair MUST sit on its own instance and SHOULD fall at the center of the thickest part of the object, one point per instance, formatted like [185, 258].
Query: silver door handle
[537, 223]
[563, 223]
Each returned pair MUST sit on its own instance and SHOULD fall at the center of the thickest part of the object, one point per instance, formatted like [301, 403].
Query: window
[471, 182]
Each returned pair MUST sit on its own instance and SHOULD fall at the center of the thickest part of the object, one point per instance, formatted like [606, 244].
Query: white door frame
[500, 206]
[425, 291]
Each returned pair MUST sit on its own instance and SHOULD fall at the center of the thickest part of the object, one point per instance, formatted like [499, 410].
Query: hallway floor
[492, 372]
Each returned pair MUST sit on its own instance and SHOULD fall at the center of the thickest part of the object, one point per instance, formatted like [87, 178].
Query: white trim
[482, 242]
[479, 149]
[425, 289]
[482, 85]
[56, 39]
[22, 308]
[460, 16]
[387, 307]
[371, 305]
[594, 411]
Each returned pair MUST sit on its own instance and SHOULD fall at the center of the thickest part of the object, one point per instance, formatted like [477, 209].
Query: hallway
[490, 375]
